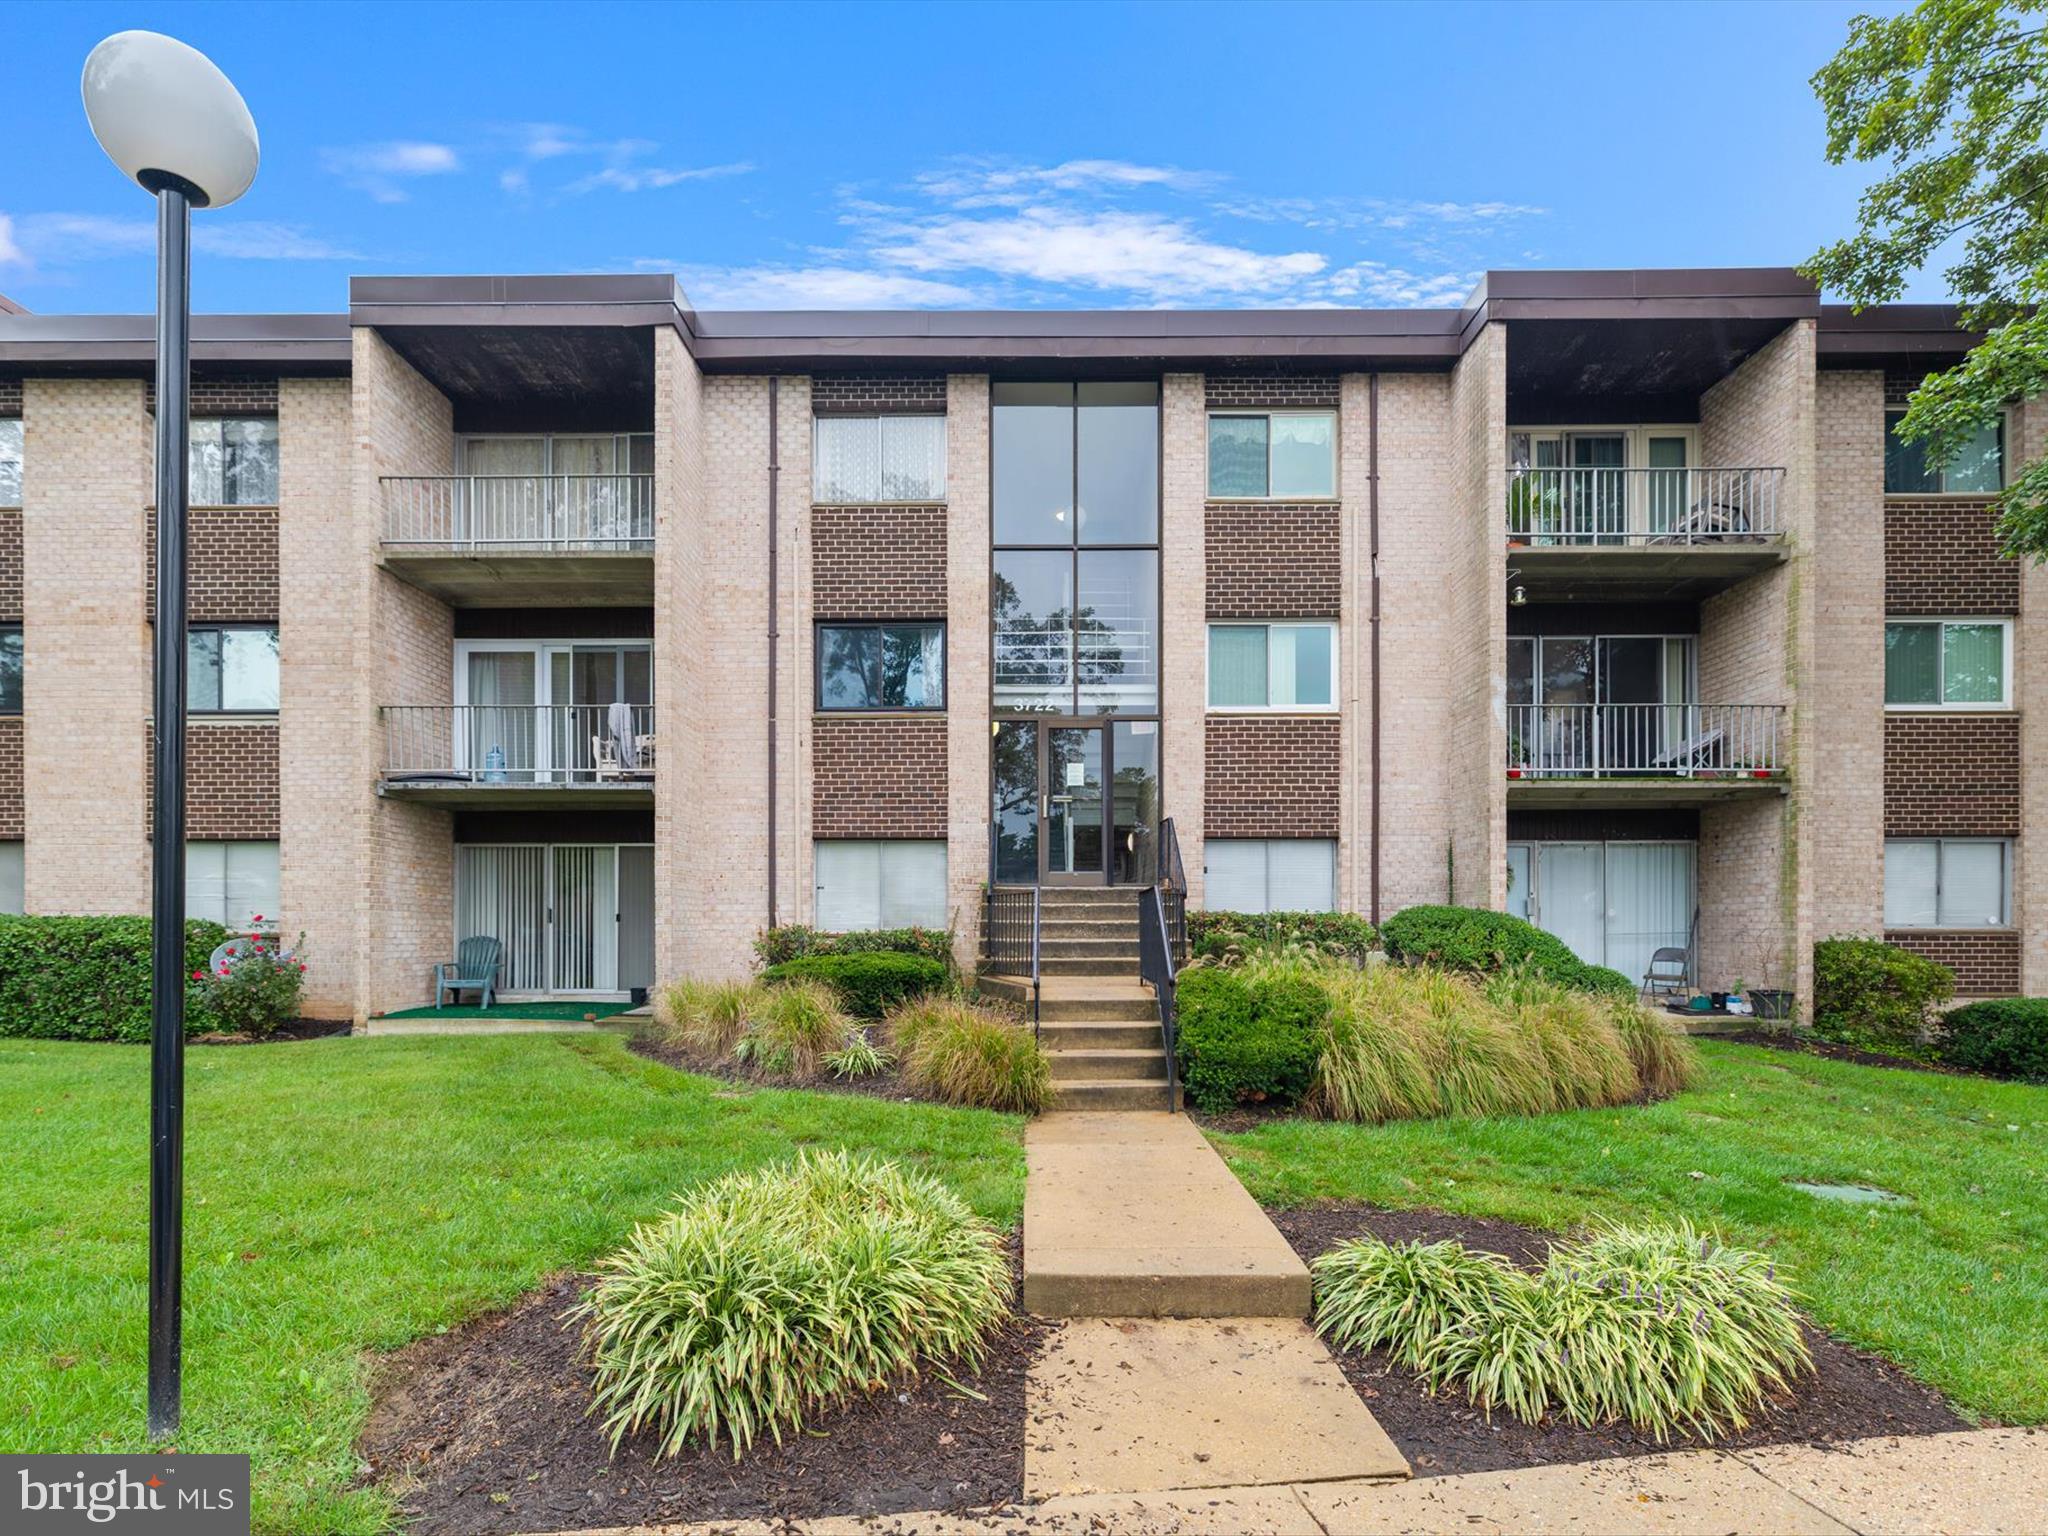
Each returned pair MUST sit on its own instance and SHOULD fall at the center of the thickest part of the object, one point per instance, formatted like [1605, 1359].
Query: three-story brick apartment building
[553, 609]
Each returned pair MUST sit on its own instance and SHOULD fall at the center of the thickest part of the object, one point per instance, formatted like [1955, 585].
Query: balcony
[1643, 754]
[519, 755]
[485, 541]
[1607, 535]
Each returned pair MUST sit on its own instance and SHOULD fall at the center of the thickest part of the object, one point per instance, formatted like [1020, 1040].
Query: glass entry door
[1075, 803]
[1073, 841]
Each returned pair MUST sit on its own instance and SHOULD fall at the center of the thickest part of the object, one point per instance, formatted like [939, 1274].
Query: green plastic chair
[475, 970]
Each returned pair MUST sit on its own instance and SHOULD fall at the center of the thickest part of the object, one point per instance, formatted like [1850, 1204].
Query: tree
[1953, 97]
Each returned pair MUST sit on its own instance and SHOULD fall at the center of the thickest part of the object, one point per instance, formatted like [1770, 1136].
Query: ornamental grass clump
[797, 1026]
[970, 1053]
[709, 1016]
[1666, 1060]
[1573, 1032]
[770, 1295]
[1659, 1327]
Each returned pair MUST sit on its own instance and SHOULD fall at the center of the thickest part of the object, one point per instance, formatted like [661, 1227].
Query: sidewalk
[1977, 1483]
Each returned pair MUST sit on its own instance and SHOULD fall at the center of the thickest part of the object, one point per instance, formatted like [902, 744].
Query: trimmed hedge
[794, 941]
[1877, 996]
[1248, 1038]
[2003, 1037]
[87, 978]
[868, 984]
[1482, 942]
[1226, 935]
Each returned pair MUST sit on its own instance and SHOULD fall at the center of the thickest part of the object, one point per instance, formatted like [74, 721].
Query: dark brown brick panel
[1941, 557]
[10, 397]
[878, 562]
[12, 817]
[1279, 391]
[10, 565]
[1951, 775]
[225, 394]
[1986, 961]
[1274, 560]
[874, 394]
[230, 779]
[1271, 776]
[878, 776]
[230, 564]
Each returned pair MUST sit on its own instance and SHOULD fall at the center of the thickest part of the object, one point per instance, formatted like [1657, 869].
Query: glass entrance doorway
[1076, 802]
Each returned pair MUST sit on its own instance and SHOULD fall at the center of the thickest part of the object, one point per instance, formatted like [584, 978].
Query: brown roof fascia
[312, 343]
[595, 299]
[1850, 339]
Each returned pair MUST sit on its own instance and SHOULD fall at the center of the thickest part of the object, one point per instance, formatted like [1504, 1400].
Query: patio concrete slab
[1129, 1405]
[1134, 1215]
[383, 1027]
[1989, 1482]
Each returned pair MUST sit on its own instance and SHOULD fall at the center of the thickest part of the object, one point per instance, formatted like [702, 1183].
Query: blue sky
[1042, 155]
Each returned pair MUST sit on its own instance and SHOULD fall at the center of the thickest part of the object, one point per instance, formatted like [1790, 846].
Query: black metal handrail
[1162, 946]
[1012, 921]
[1173, 885]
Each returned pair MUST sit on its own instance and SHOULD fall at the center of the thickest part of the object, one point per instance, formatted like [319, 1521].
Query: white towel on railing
[619, 724]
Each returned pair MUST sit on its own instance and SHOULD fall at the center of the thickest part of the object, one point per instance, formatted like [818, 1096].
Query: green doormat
[596, 1009]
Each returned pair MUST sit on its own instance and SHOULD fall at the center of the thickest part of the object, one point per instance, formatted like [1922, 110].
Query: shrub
[1876, 996]
[859, 1057]
[2005, 1037]
[708, 1016]
[771, 1294]
[969, 1053]
[798, 1026]
[1657, 1326]
[255, 989]
[1482, 941]
[868, 984]
[1666, 1060]
[1573, 1034]
[1249, 1036]
[794, 941]
[1228, 936]
[87, 978]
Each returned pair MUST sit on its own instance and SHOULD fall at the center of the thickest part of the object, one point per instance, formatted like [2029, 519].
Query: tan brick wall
[2030, 696]
[967, 655]
[325, 795]
[678, 630]
[400, 425]
[1354, 756]
[1841, 763]
[230, 779]
[85, 482]
[878, 776]
[1756, 644]
[1421, 616]
[1184, 636]
[1471, 556]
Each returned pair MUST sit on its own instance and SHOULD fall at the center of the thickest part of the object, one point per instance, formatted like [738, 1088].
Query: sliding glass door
[537, 712]
[1613, 903]
[571, 917]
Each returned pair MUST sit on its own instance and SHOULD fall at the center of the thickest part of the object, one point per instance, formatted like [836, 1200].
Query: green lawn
[1953, 1287]
[349, 1195]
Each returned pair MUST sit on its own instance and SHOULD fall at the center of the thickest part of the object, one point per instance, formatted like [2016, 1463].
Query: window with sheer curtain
[1272, 666]
[1947, 663]
[1277, 454]
[1978, 470]
[233, 461]
[878, 458]
[1947, 882]
[10, 461]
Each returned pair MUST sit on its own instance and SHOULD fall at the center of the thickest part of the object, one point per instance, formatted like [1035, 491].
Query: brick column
[1472, 560]
[2030, 697]
[969, 762]
[1184, 631]
[86, 678]
[678, 632]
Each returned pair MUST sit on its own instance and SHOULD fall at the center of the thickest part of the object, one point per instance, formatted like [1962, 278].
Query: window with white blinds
[878, 458]
[886, 883]
[234, 884]
[1947, 882]
[13, 868]
[1270, 874]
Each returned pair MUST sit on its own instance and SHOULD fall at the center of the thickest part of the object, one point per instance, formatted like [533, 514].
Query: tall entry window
[1075, 616]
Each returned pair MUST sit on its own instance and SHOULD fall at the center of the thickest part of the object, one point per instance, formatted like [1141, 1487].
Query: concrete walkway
[1977, 1483]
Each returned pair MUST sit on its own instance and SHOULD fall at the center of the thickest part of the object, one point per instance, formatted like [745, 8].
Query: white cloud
[985, 184]
[1159, 258]
[259, 240]
[61, 238]
[639, 178]
[810, 287]
[378, 169]
[10, 253]
[1374, 284]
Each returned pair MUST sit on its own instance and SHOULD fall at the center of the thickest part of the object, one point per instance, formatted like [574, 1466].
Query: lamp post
[174, 123]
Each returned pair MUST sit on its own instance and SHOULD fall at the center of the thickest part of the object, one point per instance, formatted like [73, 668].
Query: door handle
[1045, 808]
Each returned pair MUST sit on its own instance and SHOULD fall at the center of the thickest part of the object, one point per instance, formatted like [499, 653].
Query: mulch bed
[1850, 1396]
[483, 1430]
[284, 1034]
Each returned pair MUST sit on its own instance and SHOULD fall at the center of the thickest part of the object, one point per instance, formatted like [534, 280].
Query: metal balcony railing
[1671, 741]
[516, 744]
[527, 514]
[1643, 507]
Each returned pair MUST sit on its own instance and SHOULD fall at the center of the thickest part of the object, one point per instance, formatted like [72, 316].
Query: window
[233, 884]
[888, 884]
[1979, 470]
[12, 872]
[881, 666]
[1947, 663]
[10, 669]
[1278, 454]
[10, 461]
[1270, 874]
[1947, 882]
[879, 458]
[1272, 666]
[231, 670]
[234, 461]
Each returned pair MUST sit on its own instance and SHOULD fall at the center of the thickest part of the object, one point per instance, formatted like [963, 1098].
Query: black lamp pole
[167, 824]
